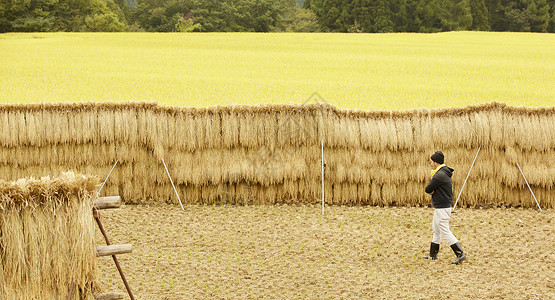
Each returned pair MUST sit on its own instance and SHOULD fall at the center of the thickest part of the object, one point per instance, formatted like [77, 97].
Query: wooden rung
[113, 249]
[107, 202]
[109, 296]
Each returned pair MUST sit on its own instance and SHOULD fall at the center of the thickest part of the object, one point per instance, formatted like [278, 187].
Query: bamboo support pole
[467, 175]
[323, 203]
[174, 189]
[102, 186]
[541, 211]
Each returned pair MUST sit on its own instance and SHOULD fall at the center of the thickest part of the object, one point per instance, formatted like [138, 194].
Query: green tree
[271, 15]
[516, 16]
[59, 15]
[333, 15]
[401, 16]
[210, 14]
[186, 23]
[258, 15]
[382, 16]
[27, 15]
[538, 11]
[495, 14]
[551, 27]
[345, 20]
[454, 14]
[160, 15]
[479, 14]
[427, 16]
[362, 15]
[106, 22]
[301, 20]
[241, 15]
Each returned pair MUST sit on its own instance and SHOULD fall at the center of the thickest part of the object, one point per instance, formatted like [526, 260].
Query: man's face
[433, 164]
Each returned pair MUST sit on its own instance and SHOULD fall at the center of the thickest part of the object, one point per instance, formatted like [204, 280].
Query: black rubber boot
[434, 249]
[459, 253]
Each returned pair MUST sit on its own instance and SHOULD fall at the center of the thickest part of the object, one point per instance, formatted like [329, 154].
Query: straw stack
[271, 153]
[47, 237]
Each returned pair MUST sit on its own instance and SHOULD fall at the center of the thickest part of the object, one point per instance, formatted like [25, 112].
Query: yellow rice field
[357, 71]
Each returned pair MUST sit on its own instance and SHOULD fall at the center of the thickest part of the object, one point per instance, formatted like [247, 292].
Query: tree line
[277, 15]
[434, 15]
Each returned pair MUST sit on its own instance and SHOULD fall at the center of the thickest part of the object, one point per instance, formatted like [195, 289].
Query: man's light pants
[440, 226]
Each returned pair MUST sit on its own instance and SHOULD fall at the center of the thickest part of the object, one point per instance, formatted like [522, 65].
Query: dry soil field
[292, 252]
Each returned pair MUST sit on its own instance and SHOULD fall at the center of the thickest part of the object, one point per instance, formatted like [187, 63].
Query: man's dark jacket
[442, 186]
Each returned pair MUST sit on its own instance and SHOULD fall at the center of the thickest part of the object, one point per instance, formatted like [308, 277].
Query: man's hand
[432, 192]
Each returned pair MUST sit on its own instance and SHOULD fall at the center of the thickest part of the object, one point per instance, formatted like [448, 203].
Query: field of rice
[357, 71]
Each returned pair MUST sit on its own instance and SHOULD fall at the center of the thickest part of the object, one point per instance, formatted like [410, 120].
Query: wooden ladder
[109, 249]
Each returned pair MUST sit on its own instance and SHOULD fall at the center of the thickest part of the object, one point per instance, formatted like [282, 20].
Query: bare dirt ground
[292, 252]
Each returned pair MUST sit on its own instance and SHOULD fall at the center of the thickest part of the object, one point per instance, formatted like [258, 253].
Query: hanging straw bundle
[47, 237]
[269, 147]
[230, 128]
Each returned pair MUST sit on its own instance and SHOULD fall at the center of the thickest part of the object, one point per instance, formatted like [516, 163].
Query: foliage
[538, 11]
[479, 14]
[103, 23]
[62, 15]
[301, 20]
[433, 15]
[212, 15]
[186, 23]
[278, 15]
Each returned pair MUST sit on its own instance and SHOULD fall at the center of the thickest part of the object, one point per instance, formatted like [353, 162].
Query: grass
[357, 71]
[292, 252]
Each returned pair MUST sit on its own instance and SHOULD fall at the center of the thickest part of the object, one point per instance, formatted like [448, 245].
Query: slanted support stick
[323, 203]
[107, 177]
[71, 290]
[175, 190]
[541, 211]
[466, 178]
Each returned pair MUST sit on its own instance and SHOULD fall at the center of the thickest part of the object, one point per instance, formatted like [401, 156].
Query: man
[441, 189]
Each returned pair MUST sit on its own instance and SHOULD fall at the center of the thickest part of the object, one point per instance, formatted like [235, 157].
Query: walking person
[441, 189]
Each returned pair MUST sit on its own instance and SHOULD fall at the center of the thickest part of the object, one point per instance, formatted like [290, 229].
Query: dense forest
[277, 15]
